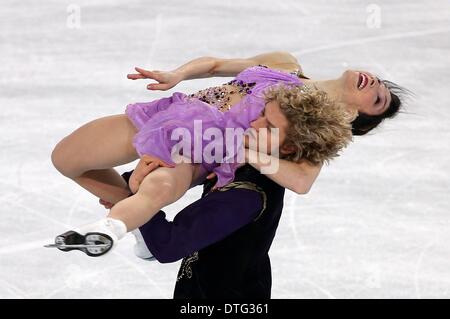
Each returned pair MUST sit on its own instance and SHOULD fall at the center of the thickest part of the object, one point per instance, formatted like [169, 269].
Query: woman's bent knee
[63, 163]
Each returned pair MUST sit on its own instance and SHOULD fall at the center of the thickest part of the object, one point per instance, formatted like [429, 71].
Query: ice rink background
[376, 223]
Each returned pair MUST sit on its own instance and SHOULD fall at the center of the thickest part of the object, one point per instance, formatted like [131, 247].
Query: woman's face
[365, 92]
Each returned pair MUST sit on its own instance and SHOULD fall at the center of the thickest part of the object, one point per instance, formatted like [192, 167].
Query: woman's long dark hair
[364, 123]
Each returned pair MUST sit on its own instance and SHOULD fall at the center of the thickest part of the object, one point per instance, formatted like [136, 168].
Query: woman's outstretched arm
[210, 66]
[205, 67]
[298, 177]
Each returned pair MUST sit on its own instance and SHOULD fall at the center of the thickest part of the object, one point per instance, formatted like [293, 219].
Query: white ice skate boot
[140, 247]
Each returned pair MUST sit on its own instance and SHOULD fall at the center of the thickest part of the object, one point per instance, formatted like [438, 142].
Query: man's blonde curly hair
[318, 127]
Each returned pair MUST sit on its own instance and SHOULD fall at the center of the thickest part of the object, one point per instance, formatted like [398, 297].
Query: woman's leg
[88, 154]
[160, 188]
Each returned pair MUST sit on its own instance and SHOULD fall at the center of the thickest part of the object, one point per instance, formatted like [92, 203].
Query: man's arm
[204, 222]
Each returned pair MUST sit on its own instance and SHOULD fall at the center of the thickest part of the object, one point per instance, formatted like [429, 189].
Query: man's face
[271, 118]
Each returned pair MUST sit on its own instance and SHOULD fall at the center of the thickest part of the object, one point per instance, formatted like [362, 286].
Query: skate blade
[92, 244]
[77, 246]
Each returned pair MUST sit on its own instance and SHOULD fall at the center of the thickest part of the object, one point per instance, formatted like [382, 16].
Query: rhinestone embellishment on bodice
[220, 96]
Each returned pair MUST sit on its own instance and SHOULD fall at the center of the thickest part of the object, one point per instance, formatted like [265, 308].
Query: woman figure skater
[252, 99]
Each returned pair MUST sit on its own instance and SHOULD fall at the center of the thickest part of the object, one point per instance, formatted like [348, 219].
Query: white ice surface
[376, 223]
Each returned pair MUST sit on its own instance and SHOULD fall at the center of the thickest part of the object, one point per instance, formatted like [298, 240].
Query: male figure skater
[224, 238]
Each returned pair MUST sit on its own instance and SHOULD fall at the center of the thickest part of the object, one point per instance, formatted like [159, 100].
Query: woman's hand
[106, 204]
[166, 79]
[146, 164]
[212, 175]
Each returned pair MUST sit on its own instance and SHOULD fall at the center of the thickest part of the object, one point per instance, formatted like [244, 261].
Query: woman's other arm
[298, 177]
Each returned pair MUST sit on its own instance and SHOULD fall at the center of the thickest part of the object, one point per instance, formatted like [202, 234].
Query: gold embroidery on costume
[250, 186]
[186, 267]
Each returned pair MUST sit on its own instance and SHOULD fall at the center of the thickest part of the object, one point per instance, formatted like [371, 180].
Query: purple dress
[157, 120]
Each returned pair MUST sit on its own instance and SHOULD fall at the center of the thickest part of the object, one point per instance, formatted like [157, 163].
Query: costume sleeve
[204, 222]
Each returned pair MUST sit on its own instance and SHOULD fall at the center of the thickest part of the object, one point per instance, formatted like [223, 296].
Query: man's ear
[286, 149]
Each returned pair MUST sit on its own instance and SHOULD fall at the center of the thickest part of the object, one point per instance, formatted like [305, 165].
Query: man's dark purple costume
[224, 238]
